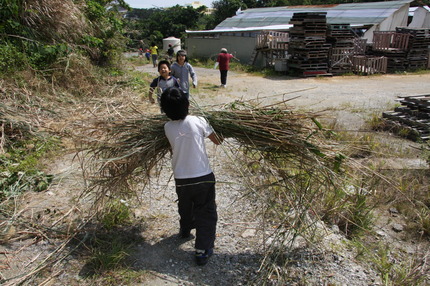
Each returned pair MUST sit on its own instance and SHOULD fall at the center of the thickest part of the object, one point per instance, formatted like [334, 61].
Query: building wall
[240, 46]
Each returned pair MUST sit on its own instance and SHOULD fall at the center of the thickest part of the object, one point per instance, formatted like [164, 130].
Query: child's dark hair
[174, 102]
[181, 53]
[163, 62]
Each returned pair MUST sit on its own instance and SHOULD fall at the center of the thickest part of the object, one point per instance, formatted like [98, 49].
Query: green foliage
[152, 25]
[225, 9]
[9, 16]
[11, 59]
[19, 168]
[13, 184]
[348, 208]
[117, 213]
[36, 38]
[393, 269]
[43, 56]
[108, 253]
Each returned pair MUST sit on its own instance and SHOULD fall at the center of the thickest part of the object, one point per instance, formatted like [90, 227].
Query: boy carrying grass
[194, 179]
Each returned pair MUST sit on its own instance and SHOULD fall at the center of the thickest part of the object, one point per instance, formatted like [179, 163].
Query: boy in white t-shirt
[194, 179]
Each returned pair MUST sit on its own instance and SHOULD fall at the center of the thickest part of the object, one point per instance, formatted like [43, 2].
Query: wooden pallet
[413, 115]
[369, 64]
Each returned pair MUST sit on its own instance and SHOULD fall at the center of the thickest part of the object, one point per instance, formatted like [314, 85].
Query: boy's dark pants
[223, 74]
[197, 208]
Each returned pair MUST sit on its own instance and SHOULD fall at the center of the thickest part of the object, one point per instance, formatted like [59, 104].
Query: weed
[20, 172]
[375, 122]
[109, 253]
[123, 277]
[116, 213]
[392, 267]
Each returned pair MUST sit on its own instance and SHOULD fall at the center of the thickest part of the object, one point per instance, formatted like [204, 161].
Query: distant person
[223, 61]
[148, 55]
[141, 47]
[162, 82]
[194, 179]
[182, 70]
[170, 52]
[154, 54]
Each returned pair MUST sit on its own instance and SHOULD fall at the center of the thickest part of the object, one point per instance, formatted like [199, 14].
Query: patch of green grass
[20, 166]
[109, 253]
[116, 213]
[375, 121]
[393, 268]
[123, 277]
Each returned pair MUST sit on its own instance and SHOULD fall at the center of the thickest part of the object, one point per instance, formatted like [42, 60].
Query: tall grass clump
[37, 34]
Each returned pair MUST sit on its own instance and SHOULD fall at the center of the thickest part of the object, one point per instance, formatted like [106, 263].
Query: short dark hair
[163, 62]
[181, 53]
[174, 102]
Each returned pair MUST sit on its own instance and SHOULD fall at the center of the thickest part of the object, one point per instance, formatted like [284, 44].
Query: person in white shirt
[194, 179]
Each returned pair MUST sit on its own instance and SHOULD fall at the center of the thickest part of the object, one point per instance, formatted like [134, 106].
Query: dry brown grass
[58, 20]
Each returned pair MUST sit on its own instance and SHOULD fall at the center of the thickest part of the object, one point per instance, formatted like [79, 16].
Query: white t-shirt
[186, 137]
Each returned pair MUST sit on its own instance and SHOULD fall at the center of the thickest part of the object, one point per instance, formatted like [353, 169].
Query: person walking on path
[223, 61]
[183, 70]
[141, 49]
[194, 179]
[154, 54]
[162, 82]
[170, 52]
[148, 55]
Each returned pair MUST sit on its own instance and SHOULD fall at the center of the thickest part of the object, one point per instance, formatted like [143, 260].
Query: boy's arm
[216, 138]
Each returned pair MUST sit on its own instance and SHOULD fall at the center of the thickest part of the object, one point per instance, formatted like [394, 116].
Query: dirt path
[350, 99]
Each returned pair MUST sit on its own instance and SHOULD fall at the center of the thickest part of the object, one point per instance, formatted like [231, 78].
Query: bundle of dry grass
[132, 148]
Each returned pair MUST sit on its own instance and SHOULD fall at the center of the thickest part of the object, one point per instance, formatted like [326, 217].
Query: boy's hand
[151, 100]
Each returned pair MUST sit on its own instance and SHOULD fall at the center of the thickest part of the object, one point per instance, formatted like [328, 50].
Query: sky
[164, 3]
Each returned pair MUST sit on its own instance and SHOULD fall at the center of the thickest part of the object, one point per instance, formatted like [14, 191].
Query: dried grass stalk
[60, 20]
[131, 149]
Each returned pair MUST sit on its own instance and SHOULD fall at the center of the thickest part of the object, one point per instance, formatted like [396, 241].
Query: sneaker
[202, 256]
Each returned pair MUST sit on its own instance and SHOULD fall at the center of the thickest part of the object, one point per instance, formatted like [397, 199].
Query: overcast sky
[163, 3]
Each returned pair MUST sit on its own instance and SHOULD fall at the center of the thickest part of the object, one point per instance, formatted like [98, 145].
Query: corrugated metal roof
[368, 13]
[353, 13]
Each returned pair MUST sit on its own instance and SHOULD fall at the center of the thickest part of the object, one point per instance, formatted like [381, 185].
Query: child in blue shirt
[162, 82]
[183, 70]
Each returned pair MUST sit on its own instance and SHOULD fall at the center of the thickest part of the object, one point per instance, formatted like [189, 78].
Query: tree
[156, 24]
[225, 9]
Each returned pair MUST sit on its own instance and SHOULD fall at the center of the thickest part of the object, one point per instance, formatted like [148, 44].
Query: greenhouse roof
[355, 14]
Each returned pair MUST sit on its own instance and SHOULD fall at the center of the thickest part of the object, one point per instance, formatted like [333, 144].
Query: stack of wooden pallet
[413, 115]
[418, 47]
[406, 48]
[307, 48]
[393, 46]
[341, 38]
